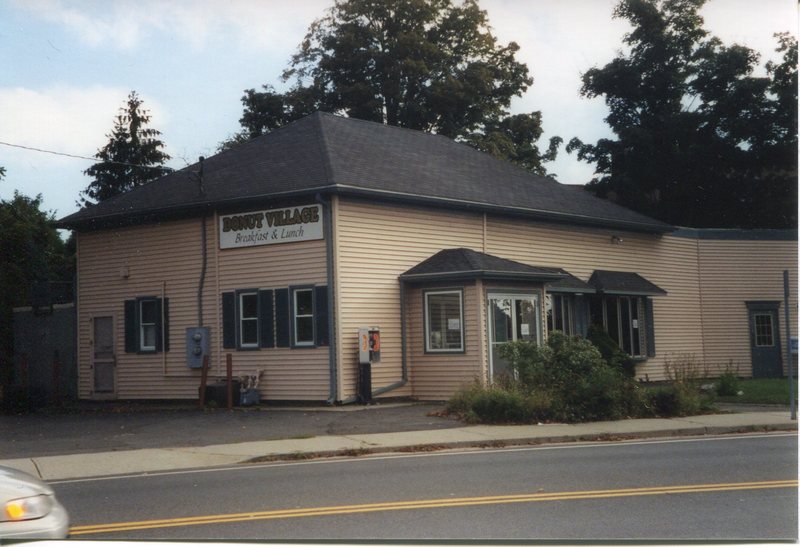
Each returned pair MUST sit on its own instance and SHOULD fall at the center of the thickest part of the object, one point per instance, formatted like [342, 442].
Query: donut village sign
[288, 225]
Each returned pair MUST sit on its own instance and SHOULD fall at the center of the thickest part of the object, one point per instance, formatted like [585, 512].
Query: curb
[161, 460]
[529, 441]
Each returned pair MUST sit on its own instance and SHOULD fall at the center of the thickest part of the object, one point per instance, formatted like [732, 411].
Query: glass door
[512, 317]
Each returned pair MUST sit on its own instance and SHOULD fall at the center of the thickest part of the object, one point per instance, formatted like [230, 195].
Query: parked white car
[29, 509]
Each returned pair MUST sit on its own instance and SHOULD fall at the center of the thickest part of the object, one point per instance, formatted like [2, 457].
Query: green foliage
[133, 155]
[682, 395]
[428, 65]
[500, 404]
[770, 391]
[727, 384]
[700, 139]
[611, 351]
[566, 380]
[677, 399]
[32, 252]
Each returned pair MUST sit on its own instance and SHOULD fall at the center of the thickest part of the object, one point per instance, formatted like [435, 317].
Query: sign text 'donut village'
[268, 227]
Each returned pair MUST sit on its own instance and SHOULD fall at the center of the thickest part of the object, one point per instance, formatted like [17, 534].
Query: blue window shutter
[229, 320]
[131, 327]
[283, 319]
[321, 331]
[266, 333]
[650, 327]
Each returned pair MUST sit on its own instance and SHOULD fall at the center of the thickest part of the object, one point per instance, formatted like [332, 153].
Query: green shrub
[611, 351]
[499, 404]
[579, 384]
[677, 399]
[461, 401]
[727, 385]
[567, 380]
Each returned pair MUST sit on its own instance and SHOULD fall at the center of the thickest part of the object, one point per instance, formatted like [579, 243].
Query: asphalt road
[733, 487]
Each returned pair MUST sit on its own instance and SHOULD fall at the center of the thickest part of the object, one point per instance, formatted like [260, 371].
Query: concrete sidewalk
[100, 464]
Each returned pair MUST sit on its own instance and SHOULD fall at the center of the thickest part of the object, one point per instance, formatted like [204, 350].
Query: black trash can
[217, 393]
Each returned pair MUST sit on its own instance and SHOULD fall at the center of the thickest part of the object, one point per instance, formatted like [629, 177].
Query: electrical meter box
[369, 345]
[196, 346]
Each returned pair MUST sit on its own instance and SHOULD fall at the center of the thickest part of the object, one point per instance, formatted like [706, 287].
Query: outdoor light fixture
[615, 239]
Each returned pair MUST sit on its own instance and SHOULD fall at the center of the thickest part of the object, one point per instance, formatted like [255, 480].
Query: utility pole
[792, 398]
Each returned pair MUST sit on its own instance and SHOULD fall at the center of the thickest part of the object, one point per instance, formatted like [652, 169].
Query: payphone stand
[369, 351]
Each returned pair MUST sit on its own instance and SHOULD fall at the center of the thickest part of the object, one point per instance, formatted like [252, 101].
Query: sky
[67, 67]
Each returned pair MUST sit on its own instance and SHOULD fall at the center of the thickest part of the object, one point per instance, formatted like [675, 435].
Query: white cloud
[63, 118]
[59, 118]
[124, 24]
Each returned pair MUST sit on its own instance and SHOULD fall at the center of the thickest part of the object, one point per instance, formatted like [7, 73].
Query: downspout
[204, 263]
[163, 338]
[404, 363]
[327, 215]
[700, 294]
[203, 241]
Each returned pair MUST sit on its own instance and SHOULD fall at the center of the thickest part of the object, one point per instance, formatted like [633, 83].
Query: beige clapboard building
[278, 251]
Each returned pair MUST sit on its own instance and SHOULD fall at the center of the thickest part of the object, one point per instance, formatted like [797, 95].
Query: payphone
[369, 351]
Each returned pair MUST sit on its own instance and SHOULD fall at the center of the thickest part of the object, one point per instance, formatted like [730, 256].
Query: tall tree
[698, 135]
[32, 252]
[133, 155]
[429, 65]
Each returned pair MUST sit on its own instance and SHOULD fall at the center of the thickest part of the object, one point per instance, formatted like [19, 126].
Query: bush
[499, 404]
[727, 385]
[675, 400]
[567, 380]
[611, 351]
[571, 374]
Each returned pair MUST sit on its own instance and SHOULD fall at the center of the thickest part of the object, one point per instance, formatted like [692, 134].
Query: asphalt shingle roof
[323, 153]
[623, 283]
[570, 283]
[468, 264]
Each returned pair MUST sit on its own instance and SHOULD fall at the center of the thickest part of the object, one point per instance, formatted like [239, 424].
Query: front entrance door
[512, 317]
[103, 358]
[765, 344]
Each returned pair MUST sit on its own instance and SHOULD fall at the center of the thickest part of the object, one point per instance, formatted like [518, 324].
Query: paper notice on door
[526, 329]
[454, 324]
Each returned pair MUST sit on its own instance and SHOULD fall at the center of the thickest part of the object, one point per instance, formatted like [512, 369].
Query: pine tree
[133, 155]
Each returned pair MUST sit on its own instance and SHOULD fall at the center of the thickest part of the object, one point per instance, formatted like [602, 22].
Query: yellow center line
[426, 504]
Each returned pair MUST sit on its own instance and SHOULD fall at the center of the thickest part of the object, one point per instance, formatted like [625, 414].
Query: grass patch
[768, 391]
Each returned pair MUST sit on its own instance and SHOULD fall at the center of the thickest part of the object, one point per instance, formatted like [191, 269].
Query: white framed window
[248, 319]
[303, 317]
[763, 330]
[148, 324]
[444, 321]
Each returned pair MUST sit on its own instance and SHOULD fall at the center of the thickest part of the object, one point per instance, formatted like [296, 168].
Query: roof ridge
[324, 145]
[469, 256]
